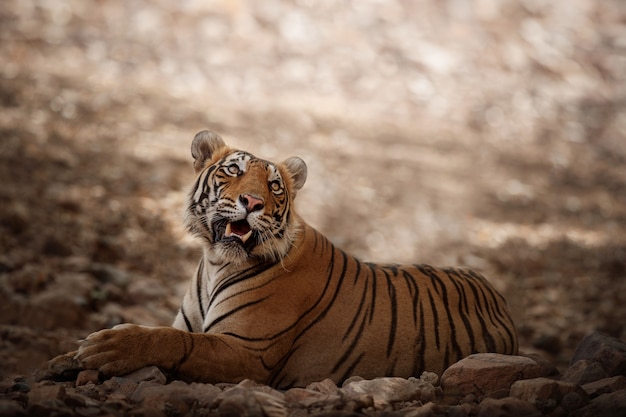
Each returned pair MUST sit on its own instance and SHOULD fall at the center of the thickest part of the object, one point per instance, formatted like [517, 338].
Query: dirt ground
[485, 133]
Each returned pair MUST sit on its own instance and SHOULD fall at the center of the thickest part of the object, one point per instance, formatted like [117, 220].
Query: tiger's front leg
[190, 356]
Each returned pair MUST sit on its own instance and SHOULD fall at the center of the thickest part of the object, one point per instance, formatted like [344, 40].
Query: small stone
[488, 374]
[546, 394]
[584, 372]
[506, 407]
[304, 397]
[239, 401]
[430, 377]
[609, 351]
[604, 386]
[87, 376]
[326, 386]
[147, 374]
[386, 390]
[167, 398]
[426, 410]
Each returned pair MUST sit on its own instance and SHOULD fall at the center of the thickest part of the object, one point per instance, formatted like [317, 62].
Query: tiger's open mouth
[238, 229]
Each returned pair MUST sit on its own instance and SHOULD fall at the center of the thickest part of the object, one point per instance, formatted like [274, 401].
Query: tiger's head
[242, 205]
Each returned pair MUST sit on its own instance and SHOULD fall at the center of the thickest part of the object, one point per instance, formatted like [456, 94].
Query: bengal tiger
[275, 301]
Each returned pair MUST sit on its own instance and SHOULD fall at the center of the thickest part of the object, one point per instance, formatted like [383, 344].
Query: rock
[584, 371]
[308, 398]
[239, 401]
[326, 386]
[176, 395]
[609, 351]
[488, 374]
[426, 410]
[546, 394]
[606, 405]
[386, 390]
[148, 374]
[87, 376]
[506, 407]
[604, 386]
[430, 377]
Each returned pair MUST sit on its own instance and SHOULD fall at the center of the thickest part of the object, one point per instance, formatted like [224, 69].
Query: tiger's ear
[204, 146]
[297, 170]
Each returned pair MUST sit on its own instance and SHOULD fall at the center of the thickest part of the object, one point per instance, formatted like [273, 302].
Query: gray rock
[488, 374]
[584, 372]
[609, 351]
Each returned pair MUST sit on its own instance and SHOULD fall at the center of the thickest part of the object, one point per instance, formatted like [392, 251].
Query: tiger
[275, 301]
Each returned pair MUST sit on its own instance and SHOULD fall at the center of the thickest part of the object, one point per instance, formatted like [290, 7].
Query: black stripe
[433, 308]
[420, 360]
[330, 277]
[373, 298]
[490, 343]
[231, 312]
[199, 282]
[463, 303]
[393, 304]
[358, 311]
[350, 349]
[187, 322]
[497, 299]
[350, 370]
[413, 292]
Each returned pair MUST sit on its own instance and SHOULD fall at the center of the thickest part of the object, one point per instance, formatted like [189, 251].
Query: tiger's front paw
[115, 351]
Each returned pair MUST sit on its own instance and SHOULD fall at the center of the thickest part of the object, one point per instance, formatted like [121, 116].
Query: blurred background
[485, 133]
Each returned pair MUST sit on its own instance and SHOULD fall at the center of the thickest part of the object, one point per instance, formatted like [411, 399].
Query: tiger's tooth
[245, 237]
[228, 230]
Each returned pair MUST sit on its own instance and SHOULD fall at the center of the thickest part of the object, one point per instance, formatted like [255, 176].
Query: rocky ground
[492, 136]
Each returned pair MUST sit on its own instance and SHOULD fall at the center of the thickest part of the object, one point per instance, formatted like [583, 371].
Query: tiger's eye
[233, 169]
[275, 186]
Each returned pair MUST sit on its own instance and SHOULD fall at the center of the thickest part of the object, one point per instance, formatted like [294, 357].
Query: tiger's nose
[251, 203]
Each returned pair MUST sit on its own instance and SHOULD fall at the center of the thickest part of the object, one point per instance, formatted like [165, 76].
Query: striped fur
[287, 307]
